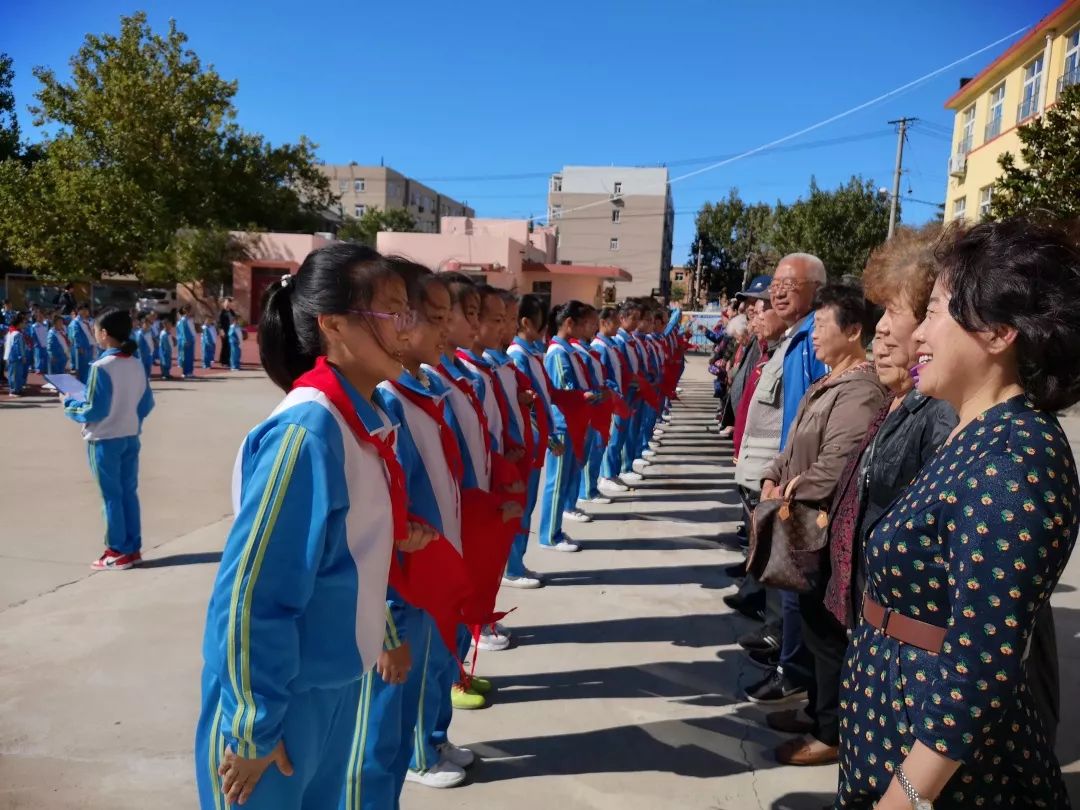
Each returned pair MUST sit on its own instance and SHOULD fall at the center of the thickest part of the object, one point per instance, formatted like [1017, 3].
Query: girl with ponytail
[111, 410]
[298, 613]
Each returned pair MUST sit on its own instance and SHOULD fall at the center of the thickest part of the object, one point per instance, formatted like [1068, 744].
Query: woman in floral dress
[934, 701]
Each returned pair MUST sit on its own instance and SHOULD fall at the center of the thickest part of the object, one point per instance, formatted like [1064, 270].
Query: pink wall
[566, 288]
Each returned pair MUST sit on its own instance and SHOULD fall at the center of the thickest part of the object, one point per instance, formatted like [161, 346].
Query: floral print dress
[976, 545]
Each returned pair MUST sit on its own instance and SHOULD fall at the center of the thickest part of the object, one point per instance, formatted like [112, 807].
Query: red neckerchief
[465, 387]
[446, 434]
[496, 389]
[322, 378]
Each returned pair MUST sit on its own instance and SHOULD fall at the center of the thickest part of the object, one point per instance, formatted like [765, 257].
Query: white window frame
[359, 185]
[1072, 54]
[359, 210]
[343, 186]
[556, 182]
[617, 189]
[967, 131]
[1032, 87]
[995, 111]
[556, 212]
[960, 208]
[616, 216]
[986, 196]
[613, 243]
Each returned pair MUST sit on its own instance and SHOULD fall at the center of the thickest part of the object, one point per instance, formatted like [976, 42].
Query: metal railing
[993, 128]
[1028, 107]
[1069, 79]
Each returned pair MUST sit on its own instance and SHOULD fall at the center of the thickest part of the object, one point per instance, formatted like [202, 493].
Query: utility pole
[695, 284]
[894, 200]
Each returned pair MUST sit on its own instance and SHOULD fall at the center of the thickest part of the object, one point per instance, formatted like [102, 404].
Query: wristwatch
[917, 801]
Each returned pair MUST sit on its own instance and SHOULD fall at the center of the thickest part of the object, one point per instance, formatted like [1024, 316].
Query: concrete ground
[622, 690]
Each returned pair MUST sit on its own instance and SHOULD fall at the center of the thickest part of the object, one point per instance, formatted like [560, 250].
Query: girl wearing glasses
[298, 611]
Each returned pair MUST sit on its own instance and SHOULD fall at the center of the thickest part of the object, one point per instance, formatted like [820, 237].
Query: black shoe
[741, 531]
[764, 639]
[766, 659]
[775, 688]
[737, 571]
[752, 608]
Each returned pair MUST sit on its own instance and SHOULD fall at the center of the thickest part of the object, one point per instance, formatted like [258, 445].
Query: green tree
[840, 227]
[1047, 184]
[145, 146]
[9, 124]
[201, 259]
[363, 230]
[734, 239]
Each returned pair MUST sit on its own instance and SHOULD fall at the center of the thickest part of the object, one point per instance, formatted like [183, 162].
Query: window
[679, 276]
[959, 208]
[414, 199]
[343, 186]
[359, 186]
[996, 112]
[360, 210]
[556, 212]
[967, 131]
[556, 182]
[618, 188]
[1071, 75]
[986, 193]
[1032, 86]
[616, 215]
[614, 243]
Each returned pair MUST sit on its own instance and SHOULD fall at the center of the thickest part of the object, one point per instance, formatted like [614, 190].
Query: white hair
[737, 326]
[815, 268]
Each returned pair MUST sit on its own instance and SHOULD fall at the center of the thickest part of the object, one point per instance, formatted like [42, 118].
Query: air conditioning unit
[958, 165]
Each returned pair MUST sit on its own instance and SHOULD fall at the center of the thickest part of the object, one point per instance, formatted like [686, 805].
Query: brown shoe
[791, 721]
[806, 751]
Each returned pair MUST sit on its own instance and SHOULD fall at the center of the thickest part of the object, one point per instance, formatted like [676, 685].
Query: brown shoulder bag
[787, 540]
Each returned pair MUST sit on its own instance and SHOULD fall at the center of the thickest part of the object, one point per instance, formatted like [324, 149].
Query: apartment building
[1017, 86]
[364, 187]
[616, 215]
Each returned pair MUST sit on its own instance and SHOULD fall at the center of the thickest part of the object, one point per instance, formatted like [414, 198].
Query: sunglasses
[403, 321]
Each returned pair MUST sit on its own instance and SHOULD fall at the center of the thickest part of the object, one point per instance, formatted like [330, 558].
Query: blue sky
[462, 95]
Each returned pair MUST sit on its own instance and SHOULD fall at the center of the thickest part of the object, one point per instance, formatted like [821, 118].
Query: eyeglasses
[403, 321]
[787, 285]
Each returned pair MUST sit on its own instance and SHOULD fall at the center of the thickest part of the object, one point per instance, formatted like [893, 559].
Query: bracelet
[917, 801]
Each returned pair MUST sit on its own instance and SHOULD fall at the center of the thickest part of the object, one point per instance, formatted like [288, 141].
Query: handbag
[787, 543]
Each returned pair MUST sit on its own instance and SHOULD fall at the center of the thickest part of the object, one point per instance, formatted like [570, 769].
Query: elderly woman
[935, 703]
[831, 421]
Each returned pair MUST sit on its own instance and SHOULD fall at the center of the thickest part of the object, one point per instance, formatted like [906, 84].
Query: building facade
[364, 187]
[609, 215]
[1014, 88]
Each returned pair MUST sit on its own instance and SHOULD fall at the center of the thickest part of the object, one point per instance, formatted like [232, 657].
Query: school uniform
[635, 361]
[209, 345]
[480, 371]
[388, 714]
[40, 334]
[616, 372]
[165, 354]
[185, 346]
[82, 347]
[59, 351]
[116, 402]
[156, 329]
[17, 358]
[297, 613]
[236, 337]
[146, 351]
[594, 444]
[562, 474]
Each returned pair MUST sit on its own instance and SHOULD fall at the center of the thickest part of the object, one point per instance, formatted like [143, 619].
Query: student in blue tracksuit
[630, 314]
[185, 343]
[18, 355]
[298, 612]
[112, 410]
[616, 372]
[236, 337]
[145, 343]
[40, 335]
[156, 324]
[82, 343]
[588, 489]
[562, 473]
[209, 343]
[527, 353]
[59, 348]
[165, 348]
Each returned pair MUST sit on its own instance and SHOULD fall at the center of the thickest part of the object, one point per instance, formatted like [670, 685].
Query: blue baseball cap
[759, 288]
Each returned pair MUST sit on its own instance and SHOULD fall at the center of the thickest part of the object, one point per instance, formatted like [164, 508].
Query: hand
[516, 455]
[393, 665]
[556, 447]
[511, 510]
[239, 776]
[591, 396]
[526, 397]
[515, 488]
[420, 534]
[62, 397]
[769, 491]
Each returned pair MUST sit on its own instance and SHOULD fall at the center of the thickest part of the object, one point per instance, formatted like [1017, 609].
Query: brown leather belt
[903, 628]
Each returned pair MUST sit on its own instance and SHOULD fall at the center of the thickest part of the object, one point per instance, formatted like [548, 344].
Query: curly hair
[1023, 275]
[903, 269]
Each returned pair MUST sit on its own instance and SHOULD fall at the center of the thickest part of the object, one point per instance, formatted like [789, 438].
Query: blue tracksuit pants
[207, 354]
[16, 376]
[385, 721]
[234, 354]
[515, 564]
[611, 465]
[185, 358]
[630, 446]
[319, 730]
[436, 708]
[594, 457]
[114, 464]
[648, 424]
[41, 359]
[562, 476]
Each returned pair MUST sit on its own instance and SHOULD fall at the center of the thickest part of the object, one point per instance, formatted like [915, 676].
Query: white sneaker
[640, 464]
[523, 582]
[564, 545]
[577, 516]
[658, 431]
[648, 454]
[631, 477]
[533, 575]
[491, 641]
[462, 757]
[726, 432]
[501, 630]
[600, 499]
[678, 390]
[444, 775]
[610, 486]
[654, 445]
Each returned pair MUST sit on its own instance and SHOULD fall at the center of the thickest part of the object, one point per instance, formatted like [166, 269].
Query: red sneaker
[115, 561]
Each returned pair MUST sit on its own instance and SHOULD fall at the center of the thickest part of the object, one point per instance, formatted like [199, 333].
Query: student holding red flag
[630, 314]
[298, 611]
[617, 376]
[599, 412]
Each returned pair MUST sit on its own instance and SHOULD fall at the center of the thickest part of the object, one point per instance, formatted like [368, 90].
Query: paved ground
[622, 693]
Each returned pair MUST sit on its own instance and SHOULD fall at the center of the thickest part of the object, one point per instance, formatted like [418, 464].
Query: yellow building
[1011, 90]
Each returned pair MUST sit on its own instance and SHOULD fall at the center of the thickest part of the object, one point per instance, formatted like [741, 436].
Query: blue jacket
[614, 363]
[236, 334]
[501, 360]
[299, 602]
[165, 350]
[116, 400]
[185, 332]
[469, 479]
[801, 370]
[146, 351]
[80, 343]
[58, 350]
[560, 369]
[529, 359]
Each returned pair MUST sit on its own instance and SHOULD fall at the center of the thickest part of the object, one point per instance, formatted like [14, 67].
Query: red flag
[647, 392]
[575, 410]
[600, 416]
[436, 580]
[621, 409]
[485, 543]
